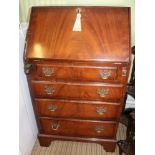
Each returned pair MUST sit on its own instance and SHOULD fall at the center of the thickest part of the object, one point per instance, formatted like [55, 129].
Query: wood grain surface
[82, 91]
[79, 128]
[78, 109]
[105, 34]
[75, 71]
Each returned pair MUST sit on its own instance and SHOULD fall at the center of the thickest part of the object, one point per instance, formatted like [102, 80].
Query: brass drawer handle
[99, 129]
[101, 110]
[49, 90]
[48, 71]
[52, 107]
[105, 74]
[103, 92]
[55, 126]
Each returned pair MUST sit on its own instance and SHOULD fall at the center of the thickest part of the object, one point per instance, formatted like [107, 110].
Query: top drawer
[77, 72]
[111, 73]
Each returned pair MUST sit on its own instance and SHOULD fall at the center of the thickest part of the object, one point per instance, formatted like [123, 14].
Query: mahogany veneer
[88, 109]
[84, 128]
[83, 91]
[77, 80]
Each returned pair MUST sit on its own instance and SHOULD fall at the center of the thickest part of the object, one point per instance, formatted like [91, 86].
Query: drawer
[85, 91]
[77, 73]
[78, 128]
[77, 109]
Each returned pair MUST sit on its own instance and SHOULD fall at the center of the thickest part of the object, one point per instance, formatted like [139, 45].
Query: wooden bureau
[77, 79]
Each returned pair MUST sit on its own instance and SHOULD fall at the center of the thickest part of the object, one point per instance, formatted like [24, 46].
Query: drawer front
[79, 128]
[77, 91]
[77, 109]
[77, 73]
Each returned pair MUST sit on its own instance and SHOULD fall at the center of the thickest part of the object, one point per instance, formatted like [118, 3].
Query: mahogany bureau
[77, 77]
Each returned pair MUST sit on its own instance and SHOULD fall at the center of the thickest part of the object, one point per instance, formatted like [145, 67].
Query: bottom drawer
[98, 129]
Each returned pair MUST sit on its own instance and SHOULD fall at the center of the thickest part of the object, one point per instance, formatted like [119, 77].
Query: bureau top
[105, 34]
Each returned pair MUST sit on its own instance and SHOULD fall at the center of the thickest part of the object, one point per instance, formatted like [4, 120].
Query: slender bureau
[77, 78]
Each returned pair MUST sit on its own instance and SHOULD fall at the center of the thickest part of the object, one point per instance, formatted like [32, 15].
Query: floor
[76, 148]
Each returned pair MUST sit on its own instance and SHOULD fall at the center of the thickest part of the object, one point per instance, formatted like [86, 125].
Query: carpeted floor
[76, 148]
